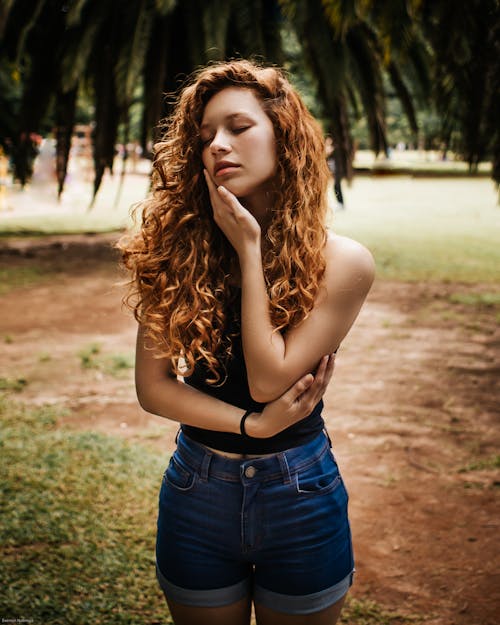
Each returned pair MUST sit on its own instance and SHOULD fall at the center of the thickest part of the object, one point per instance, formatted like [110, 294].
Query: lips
[224, 167]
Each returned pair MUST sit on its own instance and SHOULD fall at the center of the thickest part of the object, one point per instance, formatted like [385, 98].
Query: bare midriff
[234, 456]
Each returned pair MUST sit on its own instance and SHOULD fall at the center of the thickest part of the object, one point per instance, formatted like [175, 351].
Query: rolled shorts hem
[288, 604]
[214, 598]
[303, 604]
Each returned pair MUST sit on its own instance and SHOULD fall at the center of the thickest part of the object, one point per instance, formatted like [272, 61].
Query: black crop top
[235, 391]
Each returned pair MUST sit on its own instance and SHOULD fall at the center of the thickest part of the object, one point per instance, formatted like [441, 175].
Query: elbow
[144, 401]
[263, 392]
[146, 397]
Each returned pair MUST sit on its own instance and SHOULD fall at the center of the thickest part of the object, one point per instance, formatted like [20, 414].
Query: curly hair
[180, 260]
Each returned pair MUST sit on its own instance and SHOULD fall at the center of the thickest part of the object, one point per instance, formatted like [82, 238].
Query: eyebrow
[228, 118]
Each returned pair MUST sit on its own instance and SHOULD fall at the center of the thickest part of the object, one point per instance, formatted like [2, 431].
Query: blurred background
[407, 91]
[92, 79]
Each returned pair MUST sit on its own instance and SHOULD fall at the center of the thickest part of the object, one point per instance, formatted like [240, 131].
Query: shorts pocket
[320, 478]
[179, 477]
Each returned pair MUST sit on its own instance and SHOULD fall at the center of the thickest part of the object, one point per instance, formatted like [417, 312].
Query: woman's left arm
[274, 360]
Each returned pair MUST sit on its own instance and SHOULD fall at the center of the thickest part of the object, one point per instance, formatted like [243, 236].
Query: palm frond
[163, 7]
[74, 16]
[215, 20]
[135, 32]
[326, 55]
[65, 121]
[245, 36]
[5, 9]
[342, 15]
[403, 94]
[79, 43]
[23, 36]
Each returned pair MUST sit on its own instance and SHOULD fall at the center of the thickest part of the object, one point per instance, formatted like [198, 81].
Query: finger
[321, 369]
[230, 199]
[299, 388]
[323, 375]
[212, 189]
[210, 182]
[330, 368]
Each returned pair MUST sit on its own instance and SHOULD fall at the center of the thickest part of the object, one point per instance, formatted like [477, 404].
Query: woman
[242, 299]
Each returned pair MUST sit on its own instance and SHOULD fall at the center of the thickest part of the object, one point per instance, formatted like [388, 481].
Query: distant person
[242, 298]
[330, 159]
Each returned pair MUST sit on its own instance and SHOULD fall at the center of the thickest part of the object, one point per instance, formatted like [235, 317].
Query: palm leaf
[134, 34]
[65, 121]
[5, 8]
[79, 43]
[163, 7]
[74, 16]
[326, 55]
[403, 94]
[366, 71]
[215, 20]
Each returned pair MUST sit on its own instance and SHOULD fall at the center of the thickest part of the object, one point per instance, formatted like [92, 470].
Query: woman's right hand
[295, 404]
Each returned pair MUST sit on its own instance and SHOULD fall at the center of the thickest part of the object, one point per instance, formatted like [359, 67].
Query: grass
[477, 300]
[419, 230]
[365, 612]
[115, 365]
[18, 277]
[78, 516]
[482, 465]
[13, 384]
[77, 535]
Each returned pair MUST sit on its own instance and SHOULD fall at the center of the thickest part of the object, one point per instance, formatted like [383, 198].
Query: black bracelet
[242, 422]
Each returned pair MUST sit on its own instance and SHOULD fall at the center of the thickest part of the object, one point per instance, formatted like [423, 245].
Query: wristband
[242, 422]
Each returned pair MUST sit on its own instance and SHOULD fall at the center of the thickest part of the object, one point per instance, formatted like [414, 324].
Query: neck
[260, 205]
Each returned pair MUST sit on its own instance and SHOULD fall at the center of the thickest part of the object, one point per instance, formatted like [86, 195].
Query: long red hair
[181, 261]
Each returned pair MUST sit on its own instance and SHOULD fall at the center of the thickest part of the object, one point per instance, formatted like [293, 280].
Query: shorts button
[250, 472]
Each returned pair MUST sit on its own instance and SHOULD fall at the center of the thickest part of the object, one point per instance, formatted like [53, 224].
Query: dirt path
[413, 413]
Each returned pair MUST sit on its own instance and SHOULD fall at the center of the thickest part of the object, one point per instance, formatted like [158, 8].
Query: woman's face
[239, 147]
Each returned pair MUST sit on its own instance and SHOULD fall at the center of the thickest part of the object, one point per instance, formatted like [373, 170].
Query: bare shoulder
[349, 265]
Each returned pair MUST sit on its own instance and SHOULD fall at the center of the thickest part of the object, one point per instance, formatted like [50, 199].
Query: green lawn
[425, 229]
[78, 524]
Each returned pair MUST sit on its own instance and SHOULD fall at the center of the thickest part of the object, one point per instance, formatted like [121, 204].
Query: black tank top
[234, 390]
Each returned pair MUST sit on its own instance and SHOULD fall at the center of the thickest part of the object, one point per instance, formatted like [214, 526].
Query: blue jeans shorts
[273, 528]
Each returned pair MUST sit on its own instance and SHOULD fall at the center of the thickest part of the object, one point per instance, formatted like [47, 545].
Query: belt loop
[205, 465]
[285, 469]
[328, 437]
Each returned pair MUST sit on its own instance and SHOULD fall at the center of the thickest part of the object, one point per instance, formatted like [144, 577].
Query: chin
[238, 189]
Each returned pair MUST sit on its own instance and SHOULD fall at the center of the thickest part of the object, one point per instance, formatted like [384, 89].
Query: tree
[466, 75]
[140, 50]
[349, 46]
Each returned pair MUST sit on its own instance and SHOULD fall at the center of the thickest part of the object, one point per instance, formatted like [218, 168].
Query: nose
[220, 142]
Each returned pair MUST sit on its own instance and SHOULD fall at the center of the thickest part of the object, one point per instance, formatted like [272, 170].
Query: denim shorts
[273, 528]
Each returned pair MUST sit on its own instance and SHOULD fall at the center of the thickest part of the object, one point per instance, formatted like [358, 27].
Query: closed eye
[240, 129]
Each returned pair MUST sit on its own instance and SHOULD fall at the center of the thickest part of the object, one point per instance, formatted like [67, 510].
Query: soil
[413, 412]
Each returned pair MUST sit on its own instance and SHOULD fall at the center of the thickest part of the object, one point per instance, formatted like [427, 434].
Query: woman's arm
[274, 360]
[161, 393]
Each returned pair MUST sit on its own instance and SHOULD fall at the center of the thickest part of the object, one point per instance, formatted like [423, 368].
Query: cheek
[269, 155]
[205, 157]
[268, 149]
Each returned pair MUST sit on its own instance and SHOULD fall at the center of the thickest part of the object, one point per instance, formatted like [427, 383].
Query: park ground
[413, 409]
